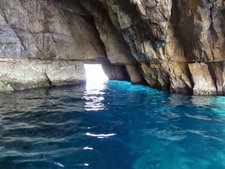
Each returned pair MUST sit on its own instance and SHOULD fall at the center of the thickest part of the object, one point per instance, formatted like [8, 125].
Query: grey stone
[160, 42]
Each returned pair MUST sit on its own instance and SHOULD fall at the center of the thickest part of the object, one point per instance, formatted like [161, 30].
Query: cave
[144, 43]
[112, 84]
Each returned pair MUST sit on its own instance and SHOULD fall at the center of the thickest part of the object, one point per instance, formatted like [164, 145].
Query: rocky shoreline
[176, 45]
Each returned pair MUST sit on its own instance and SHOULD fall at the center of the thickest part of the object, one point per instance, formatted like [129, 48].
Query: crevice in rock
[183, 31]
[49, 81]
[189, 75]
[211, 27]
[213, 72]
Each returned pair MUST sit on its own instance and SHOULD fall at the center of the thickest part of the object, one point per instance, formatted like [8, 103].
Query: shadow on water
[112, 126]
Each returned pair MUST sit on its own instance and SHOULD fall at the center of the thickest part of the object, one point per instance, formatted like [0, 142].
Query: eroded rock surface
[170, 44]
[23, 74]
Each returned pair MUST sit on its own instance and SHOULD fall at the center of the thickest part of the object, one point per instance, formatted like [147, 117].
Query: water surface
[114, 126]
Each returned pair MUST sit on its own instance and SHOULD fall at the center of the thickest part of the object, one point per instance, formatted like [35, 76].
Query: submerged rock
[178, 45]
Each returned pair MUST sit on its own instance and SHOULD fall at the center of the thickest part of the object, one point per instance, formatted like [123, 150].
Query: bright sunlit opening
[95, 73]
[95, 86]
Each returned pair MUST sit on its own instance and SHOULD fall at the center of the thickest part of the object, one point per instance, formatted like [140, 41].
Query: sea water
[113, 126]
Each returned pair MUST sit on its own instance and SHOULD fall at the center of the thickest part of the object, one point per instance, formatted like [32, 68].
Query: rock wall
[177, 45]
[17, 74]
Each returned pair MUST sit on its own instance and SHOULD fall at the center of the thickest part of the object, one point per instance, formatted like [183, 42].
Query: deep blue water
[118, 126]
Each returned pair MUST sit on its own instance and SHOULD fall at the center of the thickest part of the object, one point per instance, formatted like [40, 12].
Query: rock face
[19, 74]
[177, 45]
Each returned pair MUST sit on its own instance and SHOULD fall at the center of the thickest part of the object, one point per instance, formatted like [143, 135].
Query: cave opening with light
[95, 73]
[112, 84]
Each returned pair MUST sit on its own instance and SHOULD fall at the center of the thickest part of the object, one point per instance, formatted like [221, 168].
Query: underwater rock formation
[178, 45]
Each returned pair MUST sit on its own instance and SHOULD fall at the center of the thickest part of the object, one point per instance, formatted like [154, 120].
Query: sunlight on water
[94, 96]
[101, 135]
[95, 86]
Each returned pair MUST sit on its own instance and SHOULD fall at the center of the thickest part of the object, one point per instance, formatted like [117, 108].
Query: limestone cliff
[170, 44]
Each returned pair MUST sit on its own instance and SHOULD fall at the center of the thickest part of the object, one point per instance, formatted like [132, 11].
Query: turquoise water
[117, 126]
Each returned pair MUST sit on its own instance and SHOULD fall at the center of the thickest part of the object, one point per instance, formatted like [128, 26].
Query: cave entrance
[95, 74]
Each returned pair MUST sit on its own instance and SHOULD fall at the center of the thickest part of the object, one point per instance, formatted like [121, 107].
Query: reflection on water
[112, 126]
[94, 96]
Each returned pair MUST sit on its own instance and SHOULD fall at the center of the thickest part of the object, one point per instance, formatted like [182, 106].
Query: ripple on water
[116, 125]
